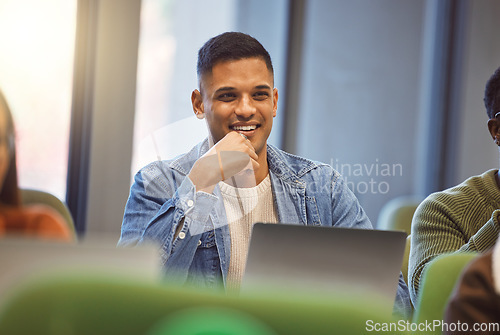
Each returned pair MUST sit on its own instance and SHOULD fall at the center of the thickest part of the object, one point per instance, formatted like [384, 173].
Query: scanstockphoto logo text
[432, 326]
[368, 178]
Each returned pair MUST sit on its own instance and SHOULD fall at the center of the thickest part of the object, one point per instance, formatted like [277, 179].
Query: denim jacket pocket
[312, 212]
[207, 240]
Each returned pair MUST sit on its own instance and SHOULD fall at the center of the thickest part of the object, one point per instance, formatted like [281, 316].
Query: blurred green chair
[208, 321]
[436, 285]
[90, 304]
[32, 197]
[397, 214]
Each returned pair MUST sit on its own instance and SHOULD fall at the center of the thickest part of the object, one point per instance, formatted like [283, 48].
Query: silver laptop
[324, 260]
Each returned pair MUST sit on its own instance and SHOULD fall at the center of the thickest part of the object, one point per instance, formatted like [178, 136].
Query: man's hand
[231, 155]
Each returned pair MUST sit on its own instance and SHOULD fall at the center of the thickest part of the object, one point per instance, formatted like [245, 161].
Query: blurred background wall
[389, 92]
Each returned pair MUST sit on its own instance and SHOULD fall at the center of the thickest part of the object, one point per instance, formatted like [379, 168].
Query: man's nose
[245, 107]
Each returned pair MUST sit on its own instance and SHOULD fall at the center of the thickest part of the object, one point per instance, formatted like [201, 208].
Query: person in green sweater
[465, 217]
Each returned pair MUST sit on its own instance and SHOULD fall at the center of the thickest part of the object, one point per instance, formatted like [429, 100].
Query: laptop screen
[324, 260]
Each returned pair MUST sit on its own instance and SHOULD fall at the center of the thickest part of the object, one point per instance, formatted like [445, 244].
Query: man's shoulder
[181, 164]
[289, 164]
[479, 186]
[474, 192]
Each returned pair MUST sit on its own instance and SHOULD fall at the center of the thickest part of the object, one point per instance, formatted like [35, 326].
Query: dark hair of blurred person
[9, 191]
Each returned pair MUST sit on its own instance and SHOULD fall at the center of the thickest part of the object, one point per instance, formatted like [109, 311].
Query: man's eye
[261, 95]
[227, 96]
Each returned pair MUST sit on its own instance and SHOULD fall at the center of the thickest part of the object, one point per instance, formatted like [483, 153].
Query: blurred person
[200, 207]
[465, 217]
[475, 301]
[35, 221]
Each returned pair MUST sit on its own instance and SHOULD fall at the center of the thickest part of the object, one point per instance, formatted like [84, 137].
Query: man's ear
[197, 102]
[494, 128]
[275, 101]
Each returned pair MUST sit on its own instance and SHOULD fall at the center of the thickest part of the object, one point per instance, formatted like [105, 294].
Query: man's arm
[346, 210]
[167, 215]
[436, 229]
[172, 210]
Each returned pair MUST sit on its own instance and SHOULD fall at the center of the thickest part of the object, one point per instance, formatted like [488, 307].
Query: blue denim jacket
[162, 198]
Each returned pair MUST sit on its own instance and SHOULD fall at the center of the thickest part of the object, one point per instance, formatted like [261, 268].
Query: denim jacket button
[182, 235]
[199, 242]
[190, 203]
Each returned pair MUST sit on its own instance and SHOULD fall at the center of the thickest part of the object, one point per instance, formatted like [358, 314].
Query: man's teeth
[244, 127]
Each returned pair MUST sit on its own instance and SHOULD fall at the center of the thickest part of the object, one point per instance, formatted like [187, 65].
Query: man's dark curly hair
[492, 94]
[230, 46]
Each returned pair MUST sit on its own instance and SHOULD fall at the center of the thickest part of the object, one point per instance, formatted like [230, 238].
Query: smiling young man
[237, 96]
[200, 207]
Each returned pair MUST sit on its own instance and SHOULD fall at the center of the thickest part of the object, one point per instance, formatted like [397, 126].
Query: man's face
[239, 96]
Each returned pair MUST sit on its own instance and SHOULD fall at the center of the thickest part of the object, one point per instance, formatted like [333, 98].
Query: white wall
[359, 93]
[477, 151]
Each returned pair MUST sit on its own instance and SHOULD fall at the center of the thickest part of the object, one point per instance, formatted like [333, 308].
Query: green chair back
[397, 214]
[210, 321]
[31, 197]
[437, 283]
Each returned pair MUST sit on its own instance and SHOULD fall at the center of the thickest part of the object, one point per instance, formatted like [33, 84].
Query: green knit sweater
[463, 218]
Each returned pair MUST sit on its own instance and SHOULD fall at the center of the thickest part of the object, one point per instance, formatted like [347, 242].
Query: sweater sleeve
[438, 228]
[486, 236]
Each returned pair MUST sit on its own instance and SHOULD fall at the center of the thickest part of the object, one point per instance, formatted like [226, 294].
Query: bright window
[36, 73]
[172, 31]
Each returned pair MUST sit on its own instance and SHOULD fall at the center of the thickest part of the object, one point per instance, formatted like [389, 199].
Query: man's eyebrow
[263, 87]
[229, 88]
[224, 89]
